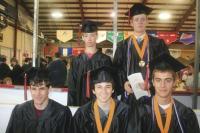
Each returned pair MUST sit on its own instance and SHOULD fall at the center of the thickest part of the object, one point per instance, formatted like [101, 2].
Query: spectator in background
[57, 71]
[4, 68]
[7, 81]
[40, 115]
[17, 73]
[27, 64]
[43, 63]
[48, 59]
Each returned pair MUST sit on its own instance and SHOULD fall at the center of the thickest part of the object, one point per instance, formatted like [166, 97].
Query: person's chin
[104, 100]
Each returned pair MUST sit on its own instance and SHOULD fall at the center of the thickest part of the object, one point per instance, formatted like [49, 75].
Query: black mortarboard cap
[165, 62]
[137, 9]
[89, 26]
[103, 74]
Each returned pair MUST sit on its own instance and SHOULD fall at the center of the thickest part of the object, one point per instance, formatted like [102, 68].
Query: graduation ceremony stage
[9, 97]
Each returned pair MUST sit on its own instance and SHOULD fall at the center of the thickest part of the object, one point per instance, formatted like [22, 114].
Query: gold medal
[142, 63]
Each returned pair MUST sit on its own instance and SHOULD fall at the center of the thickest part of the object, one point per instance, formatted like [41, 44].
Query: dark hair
[14, 60]
[164, 67]
[39, 76]
[57, 54]
[2, 58]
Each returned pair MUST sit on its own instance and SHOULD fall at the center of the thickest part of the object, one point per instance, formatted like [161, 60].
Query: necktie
[139, 40]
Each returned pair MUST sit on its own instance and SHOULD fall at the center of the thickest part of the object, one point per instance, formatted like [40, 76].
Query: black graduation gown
[57, 73]
[77, 80]
[156, 47]
[17, 75]
[56, 118]
[147, 121]
[4, 71]
[84, 121]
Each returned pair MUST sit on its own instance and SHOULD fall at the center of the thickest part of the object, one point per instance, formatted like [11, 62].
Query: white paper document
[135, 80]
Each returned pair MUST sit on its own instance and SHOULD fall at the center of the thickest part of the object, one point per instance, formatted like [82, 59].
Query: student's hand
[127, 87]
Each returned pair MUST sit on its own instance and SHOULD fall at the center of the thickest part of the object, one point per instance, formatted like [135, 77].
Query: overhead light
[164, 16]
[113, 14]
[57, 15]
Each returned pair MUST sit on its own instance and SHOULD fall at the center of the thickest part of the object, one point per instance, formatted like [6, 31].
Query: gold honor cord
[110, 117]
[168, 111]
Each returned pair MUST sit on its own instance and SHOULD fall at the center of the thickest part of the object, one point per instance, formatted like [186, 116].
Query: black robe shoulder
[56, 118]
[84, 121]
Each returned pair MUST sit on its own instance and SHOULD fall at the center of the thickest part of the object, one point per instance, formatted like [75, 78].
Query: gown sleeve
[77, 123]
[72, 82]
[119, 62]
[64, 122]
[190, 122]
[11, 123]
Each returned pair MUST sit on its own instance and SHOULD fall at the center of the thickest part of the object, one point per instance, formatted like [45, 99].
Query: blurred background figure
[27, 64]
[57, 71]
[17, 73]
[4, 68]
[7, 81]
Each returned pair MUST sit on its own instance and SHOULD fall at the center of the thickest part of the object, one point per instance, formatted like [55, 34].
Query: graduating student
[90, 59]
[134, 53]
[40, 115]
[103, 114]
[162, 113]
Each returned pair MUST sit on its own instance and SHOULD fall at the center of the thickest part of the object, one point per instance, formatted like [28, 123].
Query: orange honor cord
[163, 129]
[144, 46]
[110, 117]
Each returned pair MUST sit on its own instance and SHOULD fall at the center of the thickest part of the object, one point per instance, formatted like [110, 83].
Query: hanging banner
[110, 34]
[64, 35]
[50, 50]
[168, 37]
[77, 51]
[65, 51]
[127, 34]
[187, 38]
[101, 36]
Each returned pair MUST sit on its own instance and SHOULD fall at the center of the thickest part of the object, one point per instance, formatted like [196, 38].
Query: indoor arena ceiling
[75, 11]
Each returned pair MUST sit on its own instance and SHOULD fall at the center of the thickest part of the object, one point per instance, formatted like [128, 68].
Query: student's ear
[113, 91]
[93, 91]
[82, 38]
[152, 82]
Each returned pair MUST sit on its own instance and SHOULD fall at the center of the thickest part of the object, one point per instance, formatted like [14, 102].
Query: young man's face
[90, 39]
[164, 83]
[39, 93]
[139, 22]
[103, 91]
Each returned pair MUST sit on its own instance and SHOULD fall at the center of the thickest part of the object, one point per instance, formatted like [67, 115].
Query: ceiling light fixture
[113, 14]
[164, 16]
[57, 15]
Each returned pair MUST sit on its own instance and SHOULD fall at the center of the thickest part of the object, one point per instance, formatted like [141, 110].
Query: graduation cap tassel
[88, 85]
[25, 86]
[146, 83]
